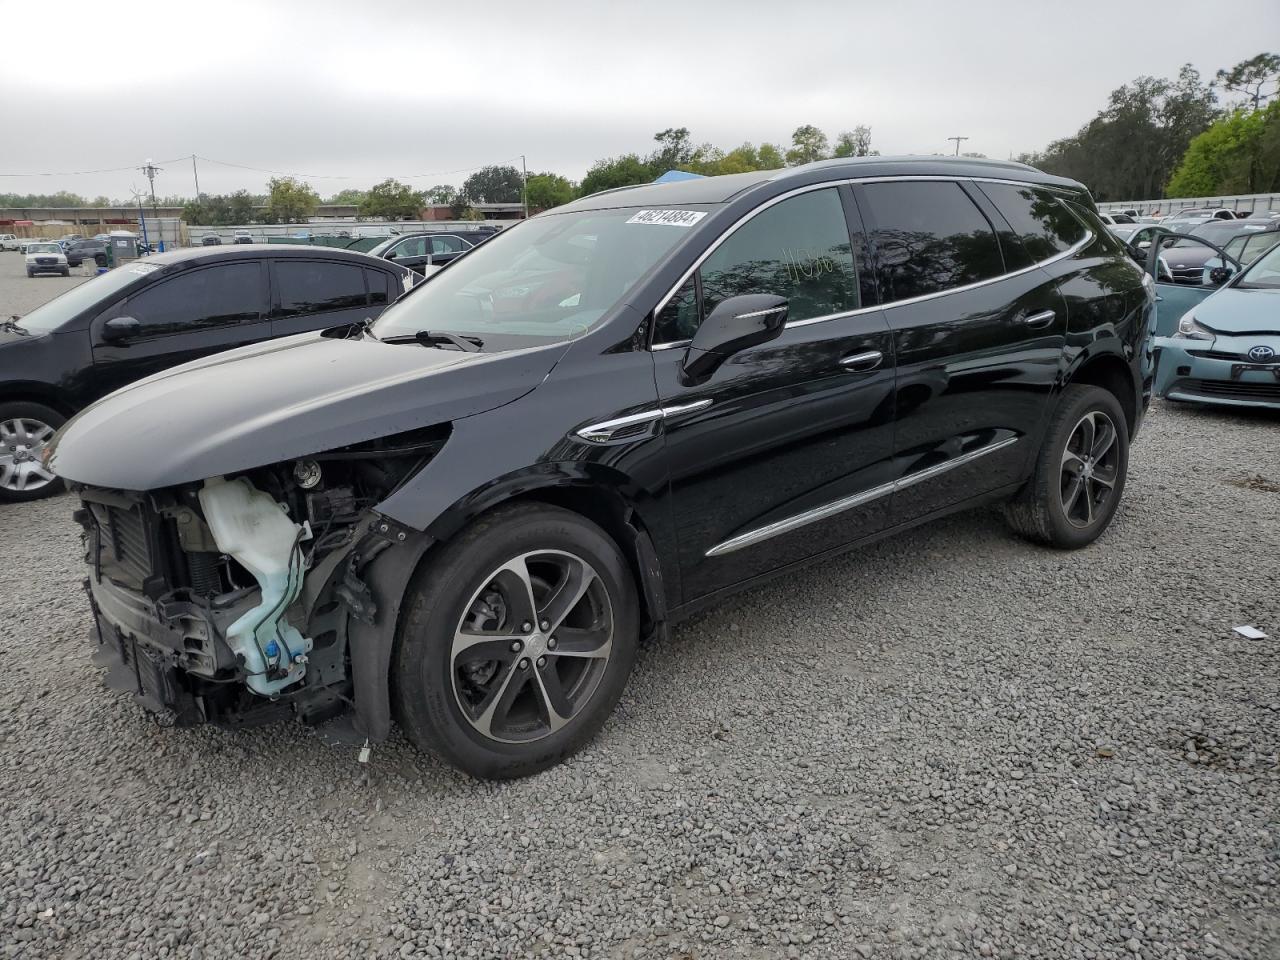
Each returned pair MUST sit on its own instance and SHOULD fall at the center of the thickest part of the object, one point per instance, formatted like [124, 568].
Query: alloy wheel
[531, 646]
[1090, 468]
[22, 441]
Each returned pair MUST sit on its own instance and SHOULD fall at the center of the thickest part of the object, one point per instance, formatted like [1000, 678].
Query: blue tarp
[671, 176]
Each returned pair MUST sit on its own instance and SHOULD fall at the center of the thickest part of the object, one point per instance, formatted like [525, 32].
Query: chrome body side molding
[847, 503]
[607, 430]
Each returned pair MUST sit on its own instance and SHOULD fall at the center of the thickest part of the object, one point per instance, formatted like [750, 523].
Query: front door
[978, 332]
[783, 452]
[198, 312]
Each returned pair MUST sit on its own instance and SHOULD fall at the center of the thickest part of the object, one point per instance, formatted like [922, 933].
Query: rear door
[316, 294]
[978, 332]
[200, 311]
[784, 452]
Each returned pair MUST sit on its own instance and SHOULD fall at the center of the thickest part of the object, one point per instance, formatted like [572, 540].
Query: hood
[1241, 311]
[1179, 258]
[282, 400]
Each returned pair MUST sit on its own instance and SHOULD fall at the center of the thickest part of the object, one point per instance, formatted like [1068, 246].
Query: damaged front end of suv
[231, 600]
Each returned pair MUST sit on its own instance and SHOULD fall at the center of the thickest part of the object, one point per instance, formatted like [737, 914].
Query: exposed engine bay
[230, 600]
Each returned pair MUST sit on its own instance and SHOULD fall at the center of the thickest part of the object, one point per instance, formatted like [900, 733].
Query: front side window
[446, 245]
[1256, 245]
[1264, 272]
[547, 279]
[213, 297]
[798, 249]
[314, 286]
[413, 247]
[930, 238]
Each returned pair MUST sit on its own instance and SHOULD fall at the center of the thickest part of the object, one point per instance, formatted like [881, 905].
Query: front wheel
[516, 643]
[25, 430]
[1079, 474]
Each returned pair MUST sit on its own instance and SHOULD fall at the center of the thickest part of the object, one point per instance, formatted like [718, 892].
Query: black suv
[156, 313]
[467, 514]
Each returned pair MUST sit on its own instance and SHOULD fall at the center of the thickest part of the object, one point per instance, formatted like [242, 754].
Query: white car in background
[8, 241]
[46, 256]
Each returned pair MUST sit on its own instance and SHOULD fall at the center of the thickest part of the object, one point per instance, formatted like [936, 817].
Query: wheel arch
[24, 391]
[1112, 373]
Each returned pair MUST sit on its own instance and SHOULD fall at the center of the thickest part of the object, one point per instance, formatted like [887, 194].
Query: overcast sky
[370, 89]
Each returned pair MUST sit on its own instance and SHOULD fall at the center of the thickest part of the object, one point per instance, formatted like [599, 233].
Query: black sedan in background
[422, 251]
[147, 316]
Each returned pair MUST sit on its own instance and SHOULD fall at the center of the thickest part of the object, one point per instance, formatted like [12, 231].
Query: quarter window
[213, 297]
[312, 286]
[930, 238]
[798, 249]
[1041, 222]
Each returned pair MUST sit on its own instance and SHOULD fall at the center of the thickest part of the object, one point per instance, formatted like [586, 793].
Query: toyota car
[465, 515]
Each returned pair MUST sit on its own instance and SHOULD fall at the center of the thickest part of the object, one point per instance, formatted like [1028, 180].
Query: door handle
[1041, 319]
[862, 362]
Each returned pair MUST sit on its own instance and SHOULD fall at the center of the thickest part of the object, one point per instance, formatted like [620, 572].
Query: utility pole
[957, 140]
[196, 174]
[524, 188]
[150, 170]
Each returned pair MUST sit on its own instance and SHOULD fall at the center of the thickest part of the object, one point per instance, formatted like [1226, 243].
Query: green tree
[771, 157]
[675, 151]
[547, 190]
[443, 193]
[289, 201]
[854, 143]
[808, 144]
[349, 196]
[494, 185]
[391, 200]
[1129, 150]
[623, 171]
[1238, 154]
[240, 207]
[1252, 77]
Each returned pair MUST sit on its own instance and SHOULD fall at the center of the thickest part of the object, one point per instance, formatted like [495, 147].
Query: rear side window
[313, 286]
[213, 297]
[382, 287]
[1040, 221]
[930, 238]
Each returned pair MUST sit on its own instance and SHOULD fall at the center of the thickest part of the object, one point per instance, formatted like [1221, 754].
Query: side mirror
[1220, 275]
[120, 328]
[735, 324]
[389, 255]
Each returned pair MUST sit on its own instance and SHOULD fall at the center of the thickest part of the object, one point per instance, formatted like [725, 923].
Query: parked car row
[576, 433]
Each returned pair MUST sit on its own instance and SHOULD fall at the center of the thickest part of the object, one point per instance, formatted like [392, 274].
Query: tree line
[1180, 137]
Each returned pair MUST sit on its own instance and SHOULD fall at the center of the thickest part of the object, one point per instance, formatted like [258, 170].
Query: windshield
[43, 248]
[1263, 273]
[546, 279]
[56, 312]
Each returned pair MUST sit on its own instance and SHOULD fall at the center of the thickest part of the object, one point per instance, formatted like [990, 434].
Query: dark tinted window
[1040, 221]
[212, 297]
[679, 319]
[313, 286]
[930, 237]
[380, 291]
[447, 245]
[412, 247]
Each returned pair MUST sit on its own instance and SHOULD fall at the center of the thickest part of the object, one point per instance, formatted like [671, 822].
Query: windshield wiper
[436, 338]
[12, 324]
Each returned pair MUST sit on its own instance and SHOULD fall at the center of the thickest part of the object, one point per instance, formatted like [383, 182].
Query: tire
[66, 272]
[31, 274]
[1072, 495]
[490, 717]
[24, 429]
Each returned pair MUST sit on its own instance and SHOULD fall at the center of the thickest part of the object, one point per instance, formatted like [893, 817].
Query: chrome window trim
[603, 431]
[751, 214]
[768, 531]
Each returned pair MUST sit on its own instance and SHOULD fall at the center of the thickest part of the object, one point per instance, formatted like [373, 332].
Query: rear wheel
[25, 430]
[1079, 474]
[517, 642]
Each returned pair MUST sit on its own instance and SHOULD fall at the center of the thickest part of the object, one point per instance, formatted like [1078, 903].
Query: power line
[82, 173]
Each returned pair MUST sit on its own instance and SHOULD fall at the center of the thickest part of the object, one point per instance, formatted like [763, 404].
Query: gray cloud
[391, 89]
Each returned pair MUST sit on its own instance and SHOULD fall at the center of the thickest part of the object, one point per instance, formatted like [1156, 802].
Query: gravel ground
[950, 744]
[21, 294]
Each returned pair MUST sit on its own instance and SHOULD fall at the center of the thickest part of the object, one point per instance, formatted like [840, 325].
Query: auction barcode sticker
[668, 218]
